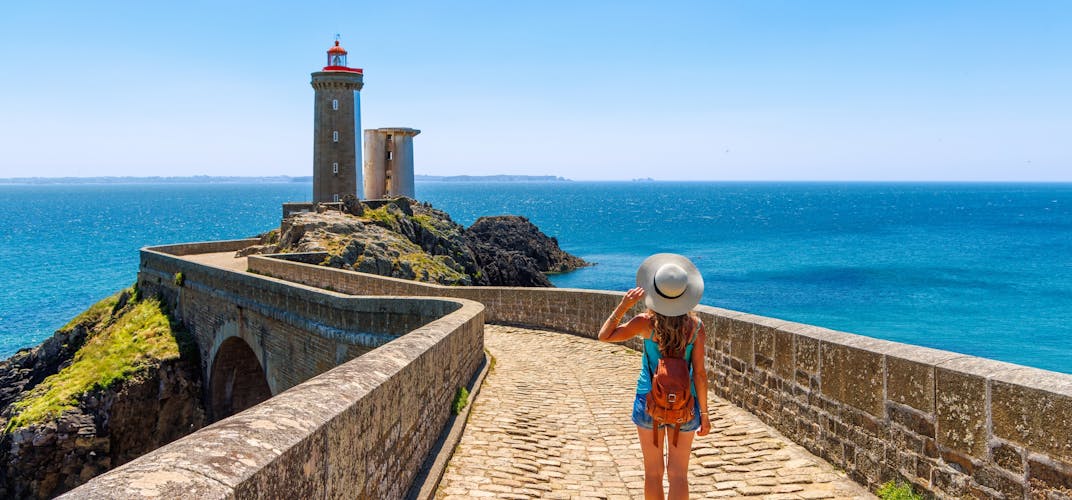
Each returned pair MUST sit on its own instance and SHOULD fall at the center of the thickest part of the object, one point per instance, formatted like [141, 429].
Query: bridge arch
[237, 376]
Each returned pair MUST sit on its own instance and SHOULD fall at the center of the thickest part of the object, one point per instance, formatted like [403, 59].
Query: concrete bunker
[237, 380]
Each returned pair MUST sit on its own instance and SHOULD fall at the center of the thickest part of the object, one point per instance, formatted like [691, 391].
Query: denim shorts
[643, 420]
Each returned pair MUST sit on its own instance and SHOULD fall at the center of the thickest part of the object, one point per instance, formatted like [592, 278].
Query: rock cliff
[504, 244]
[72, 408]
[403, 238]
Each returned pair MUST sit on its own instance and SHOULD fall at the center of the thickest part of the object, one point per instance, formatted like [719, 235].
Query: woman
[670, 286]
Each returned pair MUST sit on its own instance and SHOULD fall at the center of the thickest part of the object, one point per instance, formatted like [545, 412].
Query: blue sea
[982, 269]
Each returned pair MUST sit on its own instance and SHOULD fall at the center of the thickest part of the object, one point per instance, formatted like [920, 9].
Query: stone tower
[336, 123]
[389, 162]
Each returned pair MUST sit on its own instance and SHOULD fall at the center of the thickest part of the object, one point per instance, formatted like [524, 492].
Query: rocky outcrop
[109, 428]
[105, 427]
[406, 239]
[29, 367]
[377, 246]
[513, 233]
[501, 267]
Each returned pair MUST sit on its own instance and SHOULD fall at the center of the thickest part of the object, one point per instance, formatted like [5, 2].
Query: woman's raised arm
[614, 331]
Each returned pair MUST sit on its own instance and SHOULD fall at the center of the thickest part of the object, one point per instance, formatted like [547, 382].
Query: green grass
[179, 279]
[383, 217]
[95, 314]
[140, 335]
[461, 400]
[897, 491]
[428, 223]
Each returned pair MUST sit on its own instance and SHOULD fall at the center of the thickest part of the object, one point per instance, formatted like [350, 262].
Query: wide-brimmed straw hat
[672, 284]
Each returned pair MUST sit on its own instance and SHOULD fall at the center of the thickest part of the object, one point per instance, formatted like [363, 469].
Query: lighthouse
[336, 128]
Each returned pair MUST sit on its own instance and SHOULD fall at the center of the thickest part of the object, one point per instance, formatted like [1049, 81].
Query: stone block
[949, 482]
[1048, 476]
[912, 419]
[784, 365]
[864, 423]
[740, 340]
[1034, 408]
[805, 353]
[721, 329]
[852, 376]
[910, 375]
[904, 440]
[868, 466]
[960, 406]
[903, 461]
[764, 346]
[930, 448]
[301, 474]
[152, 480]
[1008, 457]
[1000, 481]
[924, 468]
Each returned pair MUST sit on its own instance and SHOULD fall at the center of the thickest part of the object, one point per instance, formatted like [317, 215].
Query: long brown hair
[672, 333]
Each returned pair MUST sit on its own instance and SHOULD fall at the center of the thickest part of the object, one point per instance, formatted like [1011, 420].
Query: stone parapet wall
[296, 332]
[580, 312]
[360, 430]
[341, 427]
[205, 247]
[279, 299]
[952, 424]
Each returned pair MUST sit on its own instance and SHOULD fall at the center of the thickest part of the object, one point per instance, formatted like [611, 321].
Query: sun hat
[672, 284]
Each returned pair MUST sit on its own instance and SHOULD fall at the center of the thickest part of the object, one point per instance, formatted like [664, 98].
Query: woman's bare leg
[653, 463]
[677, 466]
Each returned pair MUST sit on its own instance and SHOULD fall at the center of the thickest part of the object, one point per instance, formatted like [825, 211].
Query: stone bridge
[325, 427]
[347, 421]
[257, 336]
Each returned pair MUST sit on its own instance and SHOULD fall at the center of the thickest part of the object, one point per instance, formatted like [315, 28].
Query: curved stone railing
[326, 328]
[359, 430]
[953, 424]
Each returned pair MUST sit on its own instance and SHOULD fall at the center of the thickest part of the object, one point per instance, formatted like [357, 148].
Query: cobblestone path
[523, 442]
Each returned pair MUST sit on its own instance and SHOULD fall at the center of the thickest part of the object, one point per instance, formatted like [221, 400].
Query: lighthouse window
[335, 136]
[335, 168]
[336, 198]
[334, 104]
[390, 155]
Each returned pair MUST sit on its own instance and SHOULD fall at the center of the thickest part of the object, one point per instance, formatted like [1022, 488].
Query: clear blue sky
[769, 90]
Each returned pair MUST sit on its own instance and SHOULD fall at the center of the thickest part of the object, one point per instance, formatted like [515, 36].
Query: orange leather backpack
[670, 400]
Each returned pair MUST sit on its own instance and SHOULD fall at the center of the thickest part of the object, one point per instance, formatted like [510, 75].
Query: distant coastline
[193, 179]
[211, 179]
[490, 178]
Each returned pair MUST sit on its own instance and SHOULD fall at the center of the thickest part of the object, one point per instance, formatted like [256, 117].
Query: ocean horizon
[980, 268]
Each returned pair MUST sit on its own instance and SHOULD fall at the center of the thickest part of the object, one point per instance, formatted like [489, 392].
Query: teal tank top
[651, 358]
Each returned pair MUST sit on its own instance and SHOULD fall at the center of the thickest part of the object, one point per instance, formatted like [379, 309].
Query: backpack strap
[696, 325]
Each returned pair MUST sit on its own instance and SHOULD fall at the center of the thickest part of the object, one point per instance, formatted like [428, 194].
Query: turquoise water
[983, 269]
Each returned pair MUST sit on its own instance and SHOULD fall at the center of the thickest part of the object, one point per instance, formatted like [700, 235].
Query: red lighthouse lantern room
[337, 60]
